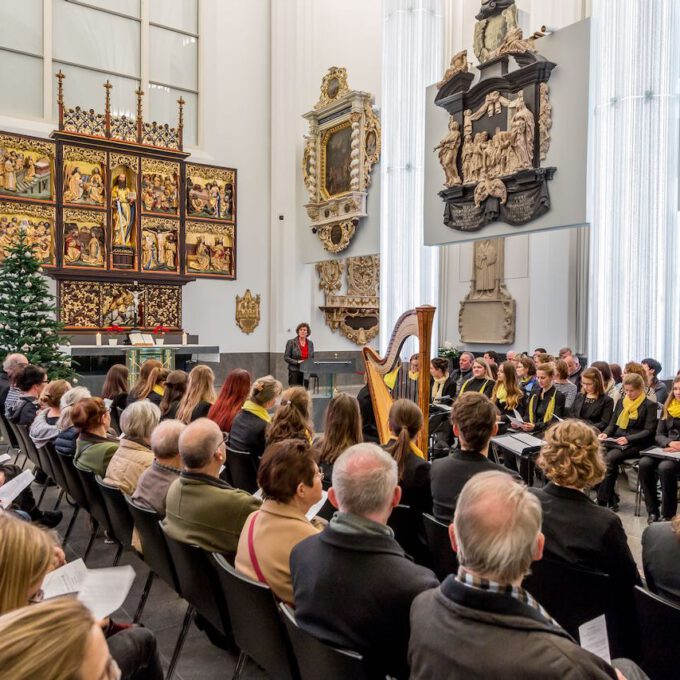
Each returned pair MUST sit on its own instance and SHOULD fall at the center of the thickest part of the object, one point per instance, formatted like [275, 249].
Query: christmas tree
[27, 312]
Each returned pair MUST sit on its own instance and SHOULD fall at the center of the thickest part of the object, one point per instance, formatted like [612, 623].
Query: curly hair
[572, 455]
[292, 420]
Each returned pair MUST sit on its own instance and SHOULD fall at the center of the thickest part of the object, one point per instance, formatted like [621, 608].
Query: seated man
[481, 623]
[353, 583]
[30, 383]
[200, 508]
[154, 482]
[474, 423]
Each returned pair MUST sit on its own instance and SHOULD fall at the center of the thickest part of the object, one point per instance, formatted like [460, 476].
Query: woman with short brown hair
[94, 448]
[592, 404]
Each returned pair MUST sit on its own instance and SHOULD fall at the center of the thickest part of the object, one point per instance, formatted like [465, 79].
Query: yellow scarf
[390, 378]
[501, 392]
[465, 384]
[413, 375]
[438, 387]
[674, 409]
[629, 411]
[159, 390]
[549, 412]
[257, 410]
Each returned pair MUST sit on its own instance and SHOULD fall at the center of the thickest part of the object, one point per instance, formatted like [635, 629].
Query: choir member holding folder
[546, 405]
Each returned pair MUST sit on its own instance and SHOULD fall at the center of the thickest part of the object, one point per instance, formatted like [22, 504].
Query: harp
[416, 322]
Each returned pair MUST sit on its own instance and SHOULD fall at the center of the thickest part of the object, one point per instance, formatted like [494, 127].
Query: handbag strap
[251, 551]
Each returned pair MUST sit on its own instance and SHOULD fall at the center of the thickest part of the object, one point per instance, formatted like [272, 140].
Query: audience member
[94, 447]
[512, 356]
[44, 427]
[482, 623]
[630, 430]
[13, 364]
[474, 423]
[633, 367]
[574, 369]
[116, 391]
[482, 379]
[607, 378]
[174, 389]
[24, 505]
[508, 396]
[537, 352]
[293, 418]
[526, 372]
[563, 384]
[617, 376]
[231, 398]
[442, 385]
[492, 359]
[653, 370]
[67, 436]
[133, 455]
[592, 404]
[407, 388]
[291, 484]
[464, 370]
[353, 584]
[369, 428]
[545, 404]
[201, 509]
[249, 427]
[154, 387]
[660, 558]
[30, 382]
[154, 482]
[342, 429]
[141, 389]
[668, 470]
[199, 396]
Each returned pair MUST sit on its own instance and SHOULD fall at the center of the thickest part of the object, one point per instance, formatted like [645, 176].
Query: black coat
[538, 405]
[4, 389]
[292, 354]
[597, 412]
[369, 427]
[506, 412]
[355, 591]
[483, 385]
[24, 411]
[66, 441]
[602, 547]
[667, 431]
[640, 432]
[449, 475]
[248, 433]
[660, 560]
[415, 482]
[450, 388]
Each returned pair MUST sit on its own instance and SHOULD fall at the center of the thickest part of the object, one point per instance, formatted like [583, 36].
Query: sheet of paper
[4, 458]
[105, 590]
[65, 580]
[593, 637]
[10, 490]
[528, 439]
[517, 414]
[558, 419]
[311, 513]
[516, 421]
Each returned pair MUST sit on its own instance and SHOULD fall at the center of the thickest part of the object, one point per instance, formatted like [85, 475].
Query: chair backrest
[95, 500]
[21, 435]
[7, 433]
[444, 560]
[74, 486]
[44, 461]
[408, 532]
[117, 510]
[242, 469]
[154, 546]
[257, 626]
[198, 583]
[318, 660]
[659, 625]
[55, 464]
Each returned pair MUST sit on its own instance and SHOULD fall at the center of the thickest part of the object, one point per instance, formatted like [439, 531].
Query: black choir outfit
[482, 385]
[538, 405]
[449, 389]
[506, 412]
[597, 412]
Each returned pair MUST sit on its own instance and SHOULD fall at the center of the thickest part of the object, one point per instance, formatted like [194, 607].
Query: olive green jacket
[94, 453]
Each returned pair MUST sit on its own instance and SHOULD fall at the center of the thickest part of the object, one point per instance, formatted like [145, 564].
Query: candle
[184, 338]
[98, 339]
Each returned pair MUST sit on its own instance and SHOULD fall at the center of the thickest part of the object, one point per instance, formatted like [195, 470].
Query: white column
[412, 60]
[635, 247]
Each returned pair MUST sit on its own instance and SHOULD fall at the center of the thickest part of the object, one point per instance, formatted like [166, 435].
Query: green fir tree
[27, 313]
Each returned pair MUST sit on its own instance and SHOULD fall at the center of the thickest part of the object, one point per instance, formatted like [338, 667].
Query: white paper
[593, 637]
[528, 439]
[4, 458]
[516, 421]
[65, 580]
[10, 490]
[312, 512]
[518, 415]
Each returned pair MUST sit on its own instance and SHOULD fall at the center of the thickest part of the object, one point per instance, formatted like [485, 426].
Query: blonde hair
[139, 419]
[60, 627]
[264, 390]
[53, 392]
[572, 455]
[635, 381]
[148, 375]
[26, 555]
[292, 419]
[487, 369]
[200, 387]
[548, 369]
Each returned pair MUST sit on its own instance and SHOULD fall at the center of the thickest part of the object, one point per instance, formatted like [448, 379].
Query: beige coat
[278, 529]
[127, 465]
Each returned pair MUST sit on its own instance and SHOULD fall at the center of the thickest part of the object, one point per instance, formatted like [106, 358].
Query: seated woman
[143, 386]
[116, 390]
[293, 418]
[342, 429]
[67, 436]
[200, 395]
[526, 372]
[30, 383]
[44, 428]
[544, 404]
[508, 396]
[249, 427]
[408, 387]
[563, 384]
[291, 484]
[173, 391]
[95, 447]
[134, 454]
[442, 385]
[668, 438]
[634, 368]
[482, 380]
[653, 369]
[572, 463]
[231, 398]
[592, 404]
[630, 430]
[660, 558]
[607, 377]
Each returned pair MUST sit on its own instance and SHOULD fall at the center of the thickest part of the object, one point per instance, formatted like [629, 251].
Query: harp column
[412, 59]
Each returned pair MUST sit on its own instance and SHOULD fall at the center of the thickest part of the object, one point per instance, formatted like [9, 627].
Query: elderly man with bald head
[353, 583]
[200, 508]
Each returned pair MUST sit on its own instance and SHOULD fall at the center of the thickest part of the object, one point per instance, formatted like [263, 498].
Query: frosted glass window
[85, 88]
[129, 7]
[21, 25]
[173, 58]
[86, 36]
[180, 14]
[21, 84]
[163, 109]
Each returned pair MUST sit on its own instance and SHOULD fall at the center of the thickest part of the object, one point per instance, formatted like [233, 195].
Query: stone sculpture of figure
[486, 256]
[468, 151]
[10, 175]
[170, 254]
[448, 153]
[123, 204]
[200, 261]
[96, 187]
[459, 64]
[74, 188]
[94, 249]
[477, 160]
[523, 124]
[514, 43]
[495, 19]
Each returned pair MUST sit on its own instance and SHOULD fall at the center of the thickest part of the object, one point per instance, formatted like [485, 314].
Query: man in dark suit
[474, 423]
[353, 583]
[660, 558]
[464, 370]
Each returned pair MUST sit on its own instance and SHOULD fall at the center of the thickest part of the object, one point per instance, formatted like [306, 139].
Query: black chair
[117, 511]
[9, 439]
[319, 660]
[444, 560]
[63, 482]
[257, 626]
[659, 625]
[75, 489]
[410, 534]
[242, 469]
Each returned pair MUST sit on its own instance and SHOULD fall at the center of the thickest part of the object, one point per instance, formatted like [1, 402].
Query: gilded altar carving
[210, 249]
[84, 238]
[248, 312]
[341, 149]
[26, 168]
[211, 192]
[330, 275]
[363, 275]
[124, 128]
[459, 64]
[80, 304]
[159, 245]
[83, 176]
[123, 211]
[162, 135]
[162, 305]
[160, 186]
[85, 122]
[38, 221]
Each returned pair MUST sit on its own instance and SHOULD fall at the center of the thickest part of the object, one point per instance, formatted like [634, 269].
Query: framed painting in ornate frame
[160, 187]
[83, 176]
[39, 223]
[26, 168]
[84, 239]
[210, 192]
[159, 245]
[210, 249]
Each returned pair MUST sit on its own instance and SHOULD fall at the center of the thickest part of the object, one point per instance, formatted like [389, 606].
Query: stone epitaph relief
[487, 315]
[355, 314]
[248, 312]
[38, 221]
[340, 151]
[26, 168]
[498, 130]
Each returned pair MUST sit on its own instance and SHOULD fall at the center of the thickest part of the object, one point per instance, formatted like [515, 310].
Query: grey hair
[198, 443]
[165, 439]
[469, 354]
[497, 524]
[13, 361]
[139, 419]
[68, 400]
[364, 479]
